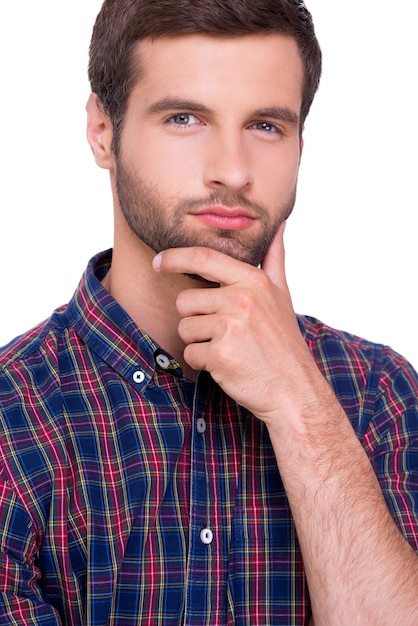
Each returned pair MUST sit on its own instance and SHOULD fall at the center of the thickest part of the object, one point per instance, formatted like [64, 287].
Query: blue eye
[266, 126]
[268, 129]
[181, 118]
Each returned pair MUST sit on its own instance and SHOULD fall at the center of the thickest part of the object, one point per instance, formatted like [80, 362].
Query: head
[122, 24]
[201, 105]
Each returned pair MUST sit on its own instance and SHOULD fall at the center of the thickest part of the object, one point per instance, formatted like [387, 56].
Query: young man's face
[210, 148]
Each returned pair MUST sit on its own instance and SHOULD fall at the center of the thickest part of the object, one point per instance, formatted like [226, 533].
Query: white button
[201, 425]
[163, 361]
[206, 536]
[138, 377]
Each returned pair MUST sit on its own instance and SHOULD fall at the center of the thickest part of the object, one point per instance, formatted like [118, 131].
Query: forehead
[250, 67]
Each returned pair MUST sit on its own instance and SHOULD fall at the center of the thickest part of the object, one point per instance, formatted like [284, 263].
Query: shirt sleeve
[21, 599]
[391, 440]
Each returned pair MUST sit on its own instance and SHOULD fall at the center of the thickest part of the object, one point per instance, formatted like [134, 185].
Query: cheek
[278, 172]
[178, 167]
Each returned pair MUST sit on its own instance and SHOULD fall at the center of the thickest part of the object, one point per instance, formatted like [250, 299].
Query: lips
[225, 218]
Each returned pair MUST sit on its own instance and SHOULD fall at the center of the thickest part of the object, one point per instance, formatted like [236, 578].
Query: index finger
[210, 264]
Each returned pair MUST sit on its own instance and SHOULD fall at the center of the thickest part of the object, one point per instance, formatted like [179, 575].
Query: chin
[237, 251]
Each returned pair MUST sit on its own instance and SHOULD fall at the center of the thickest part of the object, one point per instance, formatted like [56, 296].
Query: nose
[228, 163]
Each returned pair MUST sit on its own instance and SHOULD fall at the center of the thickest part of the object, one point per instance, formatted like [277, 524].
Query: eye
[183, 119]
[267, 127]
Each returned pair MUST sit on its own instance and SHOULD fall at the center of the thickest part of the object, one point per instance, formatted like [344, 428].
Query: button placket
[203, 537]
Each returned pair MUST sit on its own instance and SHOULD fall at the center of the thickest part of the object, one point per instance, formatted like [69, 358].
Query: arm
[360, 569]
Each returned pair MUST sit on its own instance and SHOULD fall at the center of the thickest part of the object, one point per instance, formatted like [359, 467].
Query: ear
[99, 132]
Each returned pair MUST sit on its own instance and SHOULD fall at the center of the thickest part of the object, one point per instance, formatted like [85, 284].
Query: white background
[351, 241]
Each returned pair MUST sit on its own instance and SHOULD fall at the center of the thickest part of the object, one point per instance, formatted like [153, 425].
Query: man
[177, 446]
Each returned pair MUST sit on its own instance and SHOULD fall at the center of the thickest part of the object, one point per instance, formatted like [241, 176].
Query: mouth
[224, 218]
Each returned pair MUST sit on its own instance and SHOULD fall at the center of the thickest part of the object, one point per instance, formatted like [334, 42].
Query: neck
[149, 297]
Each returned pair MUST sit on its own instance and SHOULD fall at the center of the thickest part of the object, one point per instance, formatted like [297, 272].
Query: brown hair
[121, 24]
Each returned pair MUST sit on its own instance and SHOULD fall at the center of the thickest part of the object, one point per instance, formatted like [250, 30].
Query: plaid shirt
[130, 496]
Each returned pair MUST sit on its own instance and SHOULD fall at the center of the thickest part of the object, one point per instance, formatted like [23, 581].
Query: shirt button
[201, 425]
[206, 536]
[138, 377]
[163, 361]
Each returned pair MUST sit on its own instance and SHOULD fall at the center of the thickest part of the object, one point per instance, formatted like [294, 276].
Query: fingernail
[156, 261]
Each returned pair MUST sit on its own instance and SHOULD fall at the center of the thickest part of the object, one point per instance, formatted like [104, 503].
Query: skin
[360, 570]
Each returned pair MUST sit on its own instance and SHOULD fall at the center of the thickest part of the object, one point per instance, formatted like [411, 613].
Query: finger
[197, 329]
[274, 262]
[212, 265]
[196, 356]
[198, 301]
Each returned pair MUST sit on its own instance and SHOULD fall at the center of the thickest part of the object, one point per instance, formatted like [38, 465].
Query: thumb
[273, 264]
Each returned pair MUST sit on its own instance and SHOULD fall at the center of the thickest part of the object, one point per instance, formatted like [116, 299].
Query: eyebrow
[178, 104]
[281, 114]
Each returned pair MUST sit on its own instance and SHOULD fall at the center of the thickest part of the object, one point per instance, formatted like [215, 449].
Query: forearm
[360, 570]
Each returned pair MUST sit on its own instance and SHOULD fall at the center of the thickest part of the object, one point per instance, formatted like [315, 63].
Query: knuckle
[225, 350]
[187, 330]
[182, 329]
[191, 357]
[225, 359]
[245, 300]
[186, 300]
[200, 257]
[181, 301]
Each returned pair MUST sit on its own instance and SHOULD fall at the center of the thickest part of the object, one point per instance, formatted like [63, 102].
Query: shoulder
[370, 379]
[332, 346]
[31, 355]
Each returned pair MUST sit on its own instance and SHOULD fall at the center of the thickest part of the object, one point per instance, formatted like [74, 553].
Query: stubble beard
[143, 206]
